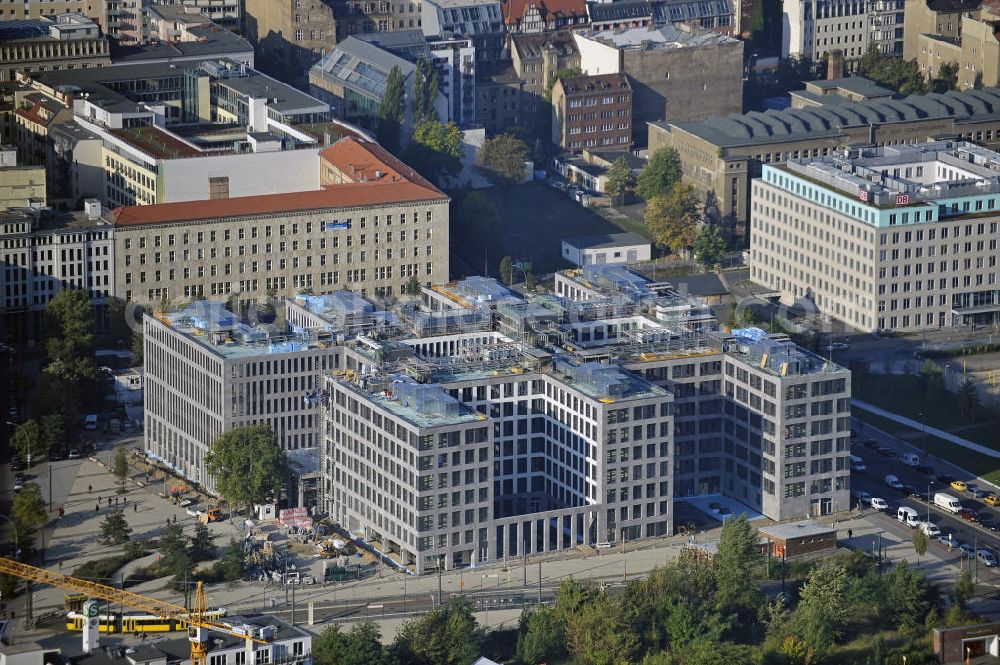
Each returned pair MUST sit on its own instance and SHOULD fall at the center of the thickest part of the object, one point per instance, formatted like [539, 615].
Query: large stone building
[593, 112]
[951, 33]
[66, 41]
[811, 29]
[902, 237]
[533, 16]
[678, 74]
[20, 186]
[290, 35]
[721, 156]
[227, 13]
[372, 226]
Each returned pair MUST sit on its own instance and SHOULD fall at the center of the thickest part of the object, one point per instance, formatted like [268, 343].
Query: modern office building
[592, 112]
[720, 156]
[207, 371]
[716, 15]
[481, 426]
[478, 20]
[43, 252]
[677, 74]
[901, 237]
[173, 132]
[371, 225]
[812, 29]
[65, 41]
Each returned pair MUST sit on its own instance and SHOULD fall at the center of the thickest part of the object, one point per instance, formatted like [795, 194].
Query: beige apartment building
[721, 156]
[372, 226]
[896, 238]
[962, 33]
[289, 36]
[65, 41]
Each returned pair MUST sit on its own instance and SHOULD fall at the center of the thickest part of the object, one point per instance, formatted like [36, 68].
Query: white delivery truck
[947, 502]
[908, 516]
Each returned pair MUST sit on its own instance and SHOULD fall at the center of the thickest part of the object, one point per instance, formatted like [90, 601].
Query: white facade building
[812, 28]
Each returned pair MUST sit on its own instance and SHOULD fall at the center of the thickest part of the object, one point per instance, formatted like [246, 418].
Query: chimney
[92, 208]
[835, 65]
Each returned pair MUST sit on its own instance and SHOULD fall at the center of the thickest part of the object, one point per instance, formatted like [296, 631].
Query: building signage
[902, 199]
[337, 226]
[863, 195]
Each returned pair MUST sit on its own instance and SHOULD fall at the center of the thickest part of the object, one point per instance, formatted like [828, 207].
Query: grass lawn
[534, 220]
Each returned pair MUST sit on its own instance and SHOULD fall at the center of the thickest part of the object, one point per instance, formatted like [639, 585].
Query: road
[873, 482]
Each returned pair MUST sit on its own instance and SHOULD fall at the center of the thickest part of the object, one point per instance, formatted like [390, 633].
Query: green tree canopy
[202, 545]
[947, 78]
[426, 84]
[823, 608]
[447, 635]
[565, 73]
[598, 634]
[621, 180]
[672, 218]
[28, 513]
[121, 466]
[392, 110]
[436, 150]
[232, 565]
[359, 646]
[29, 440]
[894, 72]
[965, 588]
[541, 636]
[906, 597]
[737, 589]
[247, 465]
[709, 247]
[502, 159]
[660, 174]
[115, 529]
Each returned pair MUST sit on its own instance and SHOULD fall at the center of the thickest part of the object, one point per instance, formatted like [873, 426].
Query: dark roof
[607, 240]
[215, 41]
[589, 84]
[763, 128]
[620, 11]
[698, 285]
[859, 85]
[532, 45]
[952, 5]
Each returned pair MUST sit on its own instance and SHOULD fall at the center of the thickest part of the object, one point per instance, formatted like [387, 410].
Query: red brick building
[592, 112]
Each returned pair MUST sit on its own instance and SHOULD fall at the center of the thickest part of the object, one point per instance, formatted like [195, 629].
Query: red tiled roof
[397, 184]
[332, 197]
[513, 10]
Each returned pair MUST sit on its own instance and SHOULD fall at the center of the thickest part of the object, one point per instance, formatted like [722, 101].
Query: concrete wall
[249, 174]
[597, 57]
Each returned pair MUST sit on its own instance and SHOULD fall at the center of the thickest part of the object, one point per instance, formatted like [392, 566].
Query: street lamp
[929, 483]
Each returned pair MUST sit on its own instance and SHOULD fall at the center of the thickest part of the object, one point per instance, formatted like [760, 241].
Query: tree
[968, 398]
[412, 286]
[737, 557]
[426, 83]
[232, 565]
[70, 317]
[905, 597]
[174, 554]
[502, 159]
[8, 585]
[621, 180]
[708, 246]
[392, 110]
[28, 513]
[541, 636]
[115, 529]
[672, 218]
[930, 380]
[202, 547]
[894, 72]
[436, 150]
[947, 78]
[247, 465]
[823, 607]
[964, 588]
[660, 173]
[447, 635]
[29, 441]
[919, 543]
[359, 646]
[599, 635]
[137, 347]
[121, 466]
[560, 74]
[507, 270]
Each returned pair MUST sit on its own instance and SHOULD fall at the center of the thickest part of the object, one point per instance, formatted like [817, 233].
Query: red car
[969, 515]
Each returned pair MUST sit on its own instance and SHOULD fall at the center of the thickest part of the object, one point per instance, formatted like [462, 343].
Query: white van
[910, 459]
[880, 504]
[90, 422]
[930, 529]
[908, 516]
[947, 502]
[857, 464]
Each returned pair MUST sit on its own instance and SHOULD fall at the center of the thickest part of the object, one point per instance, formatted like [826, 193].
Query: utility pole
[524, 560]
[440, 564]
[50, 488]
[539, 582]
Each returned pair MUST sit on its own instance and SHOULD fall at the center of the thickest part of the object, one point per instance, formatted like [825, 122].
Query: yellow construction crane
[198, 626]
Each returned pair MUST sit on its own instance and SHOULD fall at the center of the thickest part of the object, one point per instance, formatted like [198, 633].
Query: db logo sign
[863, 195]
[902, 199]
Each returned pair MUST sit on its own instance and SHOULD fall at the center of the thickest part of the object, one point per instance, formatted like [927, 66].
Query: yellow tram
[117, 622]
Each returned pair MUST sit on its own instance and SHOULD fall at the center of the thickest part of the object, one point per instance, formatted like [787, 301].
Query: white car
[879, 504]
[930, 529]
[893, 482]
[836, 346]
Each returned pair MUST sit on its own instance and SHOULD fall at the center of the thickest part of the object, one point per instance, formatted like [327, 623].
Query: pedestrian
[109, 500]
[850, 533]
[125, 500]
[60, 564]
[175, 519]
[135, 507]
[90, 489]
[168, 521]
[97, 508]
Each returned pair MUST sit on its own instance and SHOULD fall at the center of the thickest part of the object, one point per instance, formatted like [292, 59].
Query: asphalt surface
[962, 531]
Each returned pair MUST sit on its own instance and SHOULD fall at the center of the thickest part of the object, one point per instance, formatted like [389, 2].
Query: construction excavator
[198, 625]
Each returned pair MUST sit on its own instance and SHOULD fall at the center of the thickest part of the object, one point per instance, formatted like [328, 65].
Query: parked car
[947, 539]
[836, 346]
[863, 497]
[880, 504]
[968, 550]
[15, 465]
[926, 470]
[987, 557]
[18, 485]
[944, 479]
[959, 485]
[893, 482]
[887, 452]
[976, 493]
[914, 493]
[968, 515]
[930, 529]
[74, 453]
[991, 500]
[992, 525]
[870, 443]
